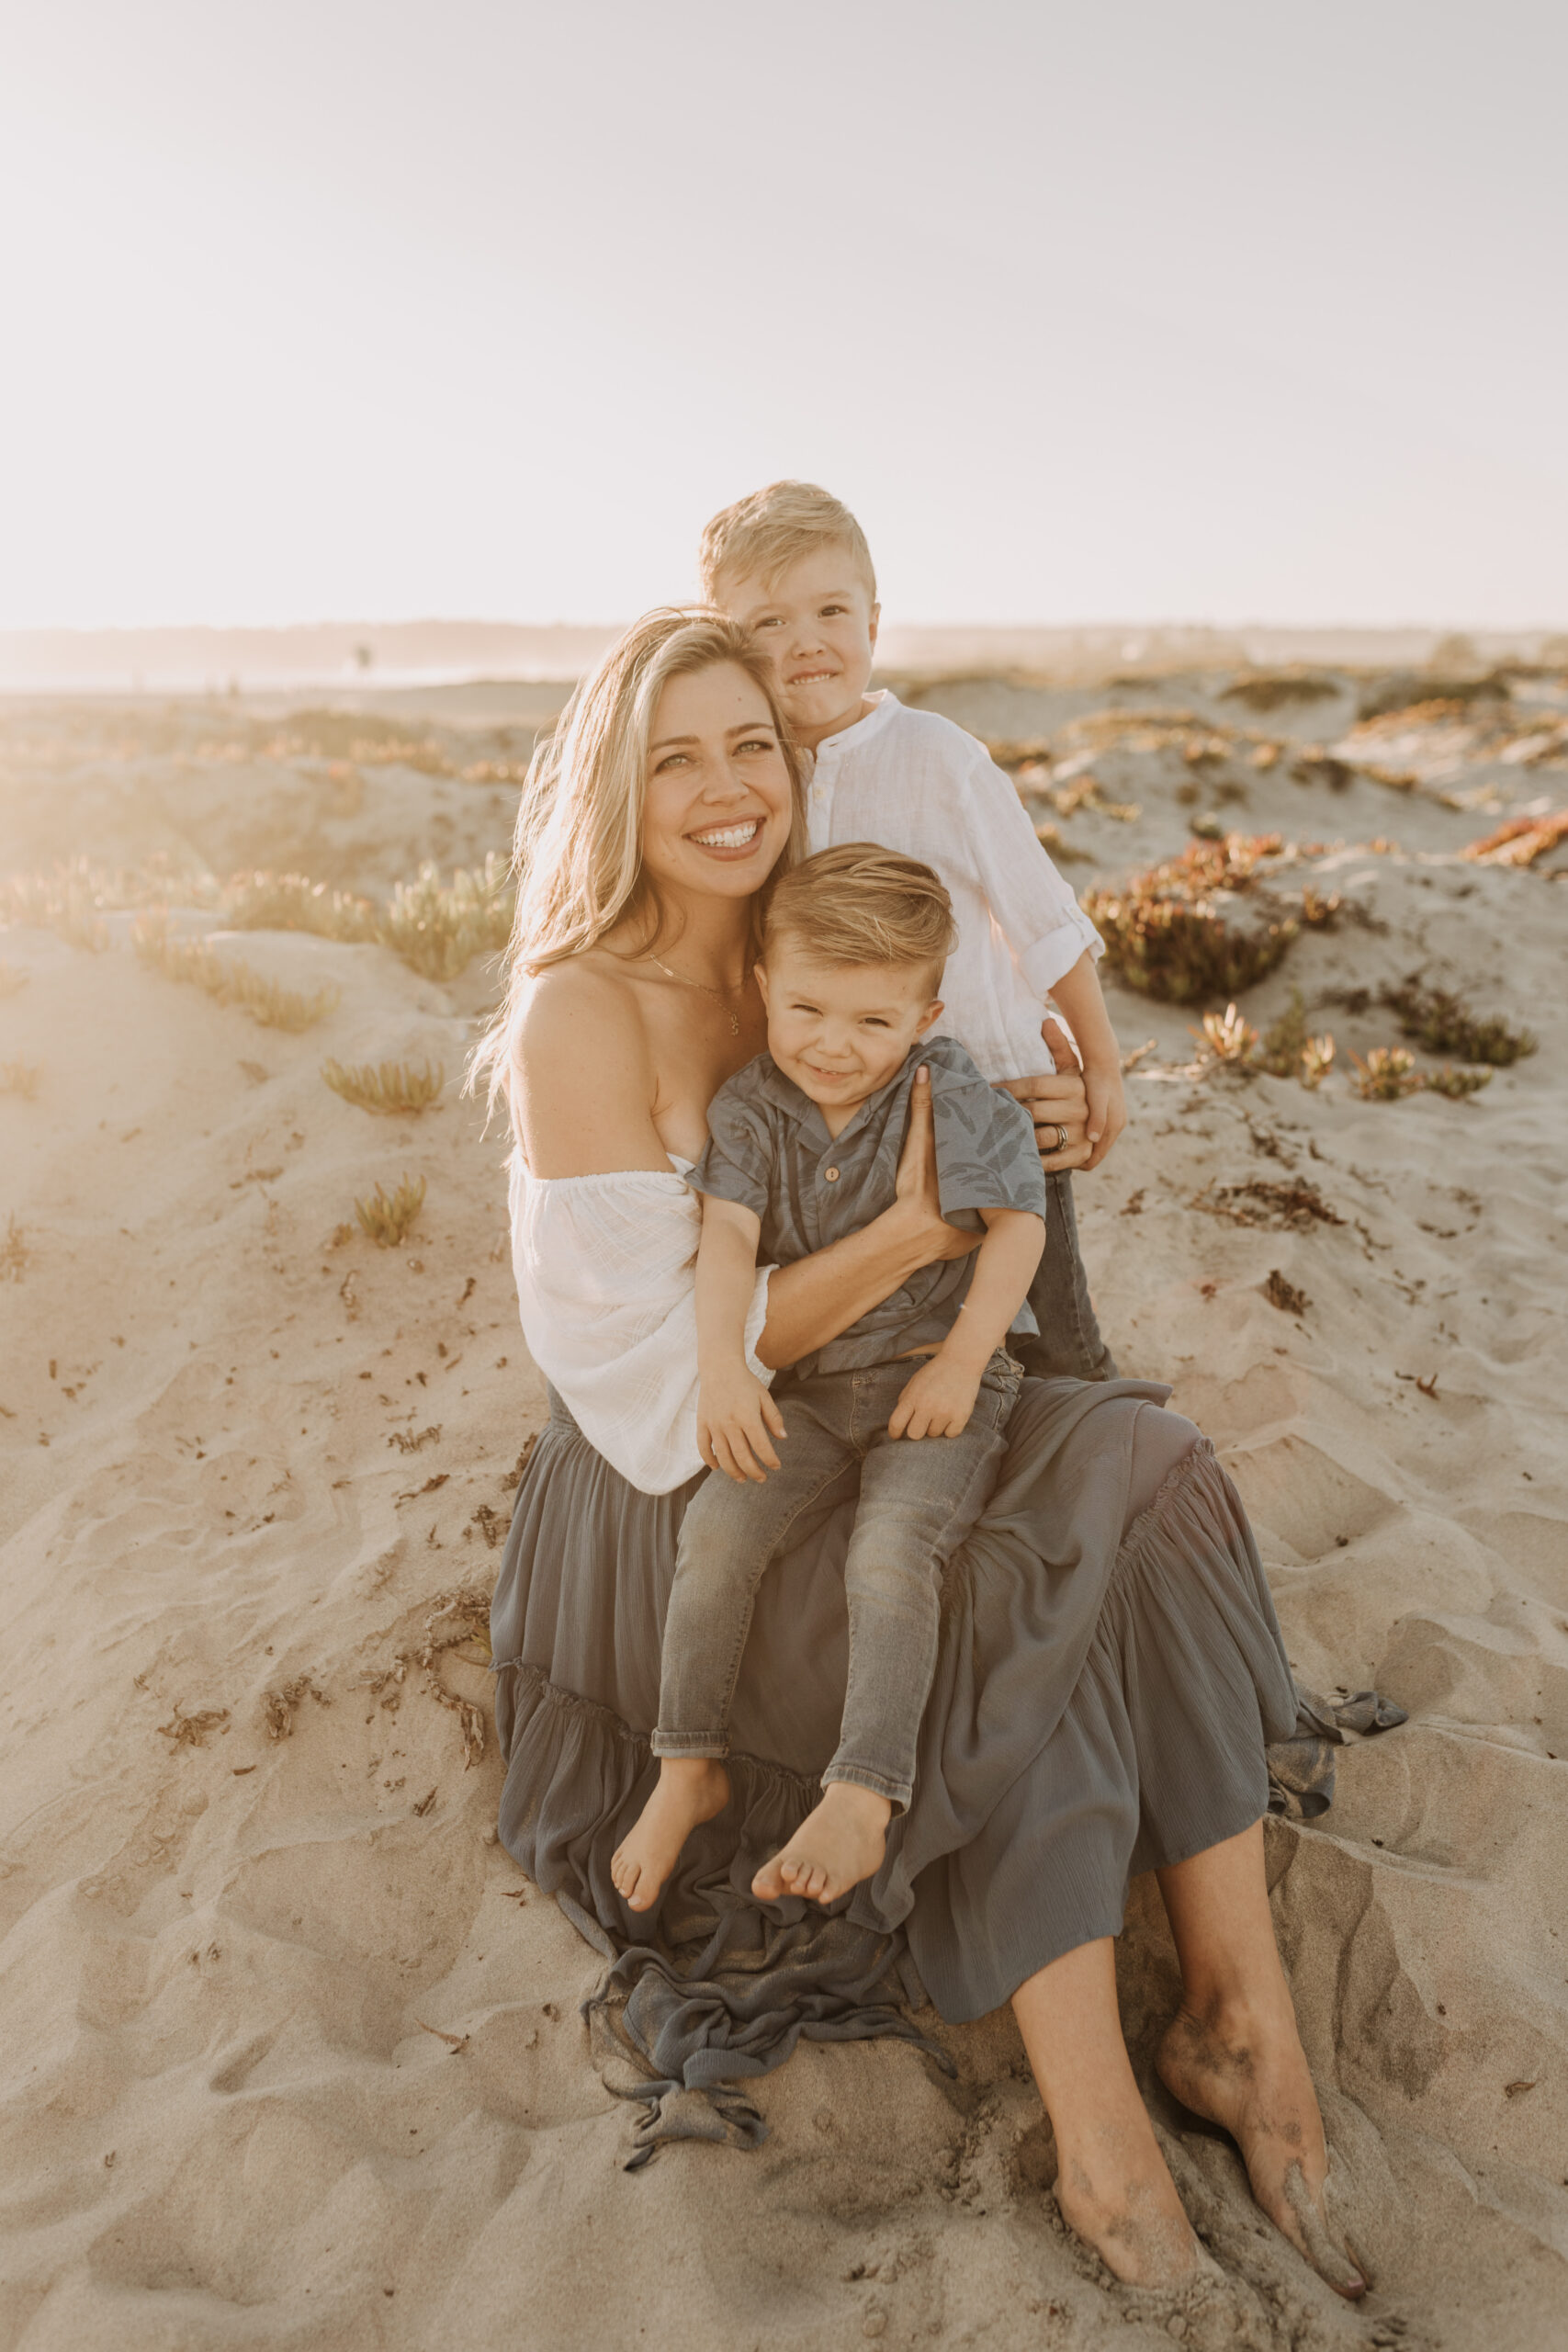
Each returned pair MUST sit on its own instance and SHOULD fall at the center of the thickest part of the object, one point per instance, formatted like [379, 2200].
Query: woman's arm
[812, 1301]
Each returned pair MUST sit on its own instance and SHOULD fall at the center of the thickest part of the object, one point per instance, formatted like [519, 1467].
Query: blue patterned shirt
[768, 1150]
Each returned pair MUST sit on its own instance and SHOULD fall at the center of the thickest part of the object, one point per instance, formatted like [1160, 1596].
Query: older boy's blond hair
[862, 904]
[762, 536]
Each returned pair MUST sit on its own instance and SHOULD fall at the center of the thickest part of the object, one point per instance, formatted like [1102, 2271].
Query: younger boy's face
[817, 624]
[841, 1031]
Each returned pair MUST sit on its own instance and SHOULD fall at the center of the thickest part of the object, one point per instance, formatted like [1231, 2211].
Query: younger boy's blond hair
[762, 536]
[862, 904]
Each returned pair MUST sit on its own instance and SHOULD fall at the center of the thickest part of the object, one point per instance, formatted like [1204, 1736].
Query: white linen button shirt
[917, 784]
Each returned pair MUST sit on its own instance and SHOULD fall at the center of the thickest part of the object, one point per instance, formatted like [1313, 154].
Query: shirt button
[831, 1174]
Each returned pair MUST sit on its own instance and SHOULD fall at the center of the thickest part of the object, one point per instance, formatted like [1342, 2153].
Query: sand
[289, 2050]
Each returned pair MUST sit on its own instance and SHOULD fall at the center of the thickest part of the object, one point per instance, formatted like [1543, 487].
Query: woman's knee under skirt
[1104, 1700]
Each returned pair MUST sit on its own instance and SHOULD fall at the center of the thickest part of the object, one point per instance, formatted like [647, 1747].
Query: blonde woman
[1110, 1667]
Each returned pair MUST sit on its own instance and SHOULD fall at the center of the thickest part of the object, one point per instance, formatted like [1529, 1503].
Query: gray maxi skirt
[1111, 1674]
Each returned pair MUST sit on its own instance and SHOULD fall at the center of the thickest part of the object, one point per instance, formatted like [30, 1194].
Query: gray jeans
[919, 1499]
[1069, 1343]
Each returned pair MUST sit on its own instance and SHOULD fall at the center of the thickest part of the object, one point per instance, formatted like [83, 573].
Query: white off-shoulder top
[606, 1288]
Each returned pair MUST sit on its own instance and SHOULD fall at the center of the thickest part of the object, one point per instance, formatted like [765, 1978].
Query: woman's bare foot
[840, 1842]
[1113, 2188]
[690, 1789]
[1250, 2076]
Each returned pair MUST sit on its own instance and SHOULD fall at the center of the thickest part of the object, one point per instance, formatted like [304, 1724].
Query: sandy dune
[291, 2052]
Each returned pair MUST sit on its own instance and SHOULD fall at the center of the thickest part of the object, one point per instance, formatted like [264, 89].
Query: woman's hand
[736, 1419]
[1059, 1099]
[916, 1209]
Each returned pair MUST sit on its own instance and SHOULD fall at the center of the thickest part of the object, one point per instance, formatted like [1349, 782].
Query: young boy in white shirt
[792, 565]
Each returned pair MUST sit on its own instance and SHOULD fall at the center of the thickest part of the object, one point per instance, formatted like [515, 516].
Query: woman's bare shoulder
[582, 1073]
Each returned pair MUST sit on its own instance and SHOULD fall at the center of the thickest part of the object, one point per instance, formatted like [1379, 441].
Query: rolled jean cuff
[898, 1793]
[690, 1746]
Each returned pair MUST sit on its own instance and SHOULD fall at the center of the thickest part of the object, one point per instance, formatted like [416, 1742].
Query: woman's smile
[739, 836]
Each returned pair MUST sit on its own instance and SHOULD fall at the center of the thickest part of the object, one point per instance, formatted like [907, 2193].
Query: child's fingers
[757, 1439]
[772, 1415]
[901, 1412]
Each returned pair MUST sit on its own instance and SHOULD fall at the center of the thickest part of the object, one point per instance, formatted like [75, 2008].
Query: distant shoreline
[339, 657]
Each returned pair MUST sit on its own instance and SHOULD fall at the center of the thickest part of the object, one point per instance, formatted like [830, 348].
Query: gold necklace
[685, 983]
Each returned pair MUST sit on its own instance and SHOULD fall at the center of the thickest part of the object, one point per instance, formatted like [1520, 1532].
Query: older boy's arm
[735, 1412]
[941, 1397]
[1078, 994]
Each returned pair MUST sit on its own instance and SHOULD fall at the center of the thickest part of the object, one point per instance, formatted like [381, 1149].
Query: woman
[1110, 1668]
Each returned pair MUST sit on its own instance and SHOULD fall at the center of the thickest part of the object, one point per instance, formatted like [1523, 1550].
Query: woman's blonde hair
[577, 848]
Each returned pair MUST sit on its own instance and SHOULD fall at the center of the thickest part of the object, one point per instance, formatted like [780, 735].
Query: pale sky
[1174, 309]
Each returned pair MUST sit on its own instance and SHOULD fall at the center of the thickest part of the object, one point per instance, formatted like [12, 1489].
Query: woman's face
[718, 811]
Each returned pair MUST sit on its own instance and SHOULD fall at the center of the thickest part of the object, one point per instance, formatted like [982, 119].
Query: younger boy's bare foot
[1249, 2075]
[690, 1789]
[840, 1842]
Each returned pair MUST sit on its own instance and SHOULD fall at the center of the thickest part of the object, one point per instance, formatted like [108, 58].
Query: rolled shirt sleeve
[1031, 905]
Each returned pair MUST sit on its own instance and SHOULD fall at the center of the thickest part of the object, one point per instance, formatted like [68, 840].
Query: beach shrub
[66, 902]
[437, 929]
[387, 1217]
[1165, 936]
[1520, 842]
[1455, 1083]
[1387, 1075]
[192, 960]
[293, 902]
[1267, 690]
[1443, 1023]
[387, 1087]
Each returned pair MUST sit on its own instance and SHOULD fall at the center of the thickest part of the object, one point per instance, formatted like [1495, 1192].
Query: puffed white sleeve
[605, 1269]
[1033, 908]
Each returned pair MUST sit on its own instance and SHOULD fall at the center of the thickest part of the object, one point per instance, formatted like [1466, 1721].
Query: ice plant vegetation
[385, 1087]
[228, 983]
[386, 1217]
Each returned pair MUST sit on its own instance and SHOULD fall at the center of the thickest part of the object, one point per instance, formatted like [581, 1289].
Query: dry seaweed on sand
[387, 1217]
[1283, 1294]
[1442, 1023]
[1297, 1206]
[386, 1087]
[15, 1255]
[455, 1617]
[22, 1077]
[279, 1704]
[190, 1731]
[1165, 936]
[229, 981]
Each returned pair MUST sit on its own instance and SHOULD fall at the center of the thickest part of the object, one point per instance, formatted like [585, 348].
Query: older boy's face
[841, 1031]
[818, 627]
